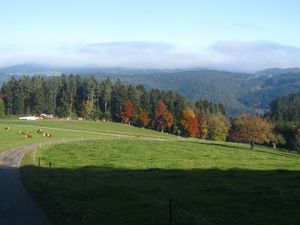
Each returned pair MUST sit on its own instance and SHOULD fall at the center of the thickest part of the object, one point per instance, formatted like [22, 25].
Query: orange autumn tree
[160, 111]
[127, 111]
[252, 129]
[144, 118]
[169, 120]
[163, 117]
[189, 122]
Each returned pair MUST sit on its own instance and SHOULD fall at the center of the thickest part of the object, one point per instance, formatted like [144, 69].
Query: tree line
[285, 115]
[74, 96]
[166, 111]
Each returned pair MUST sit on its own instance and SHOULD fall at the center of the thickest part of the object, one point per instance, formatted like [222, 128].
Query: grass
[68, 130]
[130, 181]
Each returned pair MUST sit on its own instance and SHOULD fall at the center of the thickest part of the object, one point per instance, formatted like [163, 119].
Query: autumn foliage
[160, 111]
[252, 129]
[202, 124]
[189, 122]
[127, 112]
[169, 119]
[144, 118]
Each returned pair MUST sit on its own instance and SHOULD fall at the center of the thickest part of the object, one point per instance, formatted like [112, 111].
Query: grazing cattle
[6, 128]
[39, 131]
[47, 135]
[23, 133]
[28, 135]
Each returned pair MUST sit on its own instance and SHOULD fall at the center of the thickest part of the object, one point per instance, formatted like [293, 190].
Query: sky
[234, 35]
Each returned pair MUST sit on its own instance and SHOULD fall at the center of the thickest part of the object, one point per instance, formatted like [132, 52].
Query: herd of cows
[28, 135]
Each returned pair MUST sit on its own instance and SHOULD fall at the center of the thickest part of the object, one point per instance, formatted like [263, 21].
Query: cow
[23, 132]
[47, 135]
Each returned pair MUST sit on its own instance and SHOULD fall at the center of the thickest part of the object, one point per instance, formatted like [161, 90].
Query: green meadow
[107, 173]
[62, 130]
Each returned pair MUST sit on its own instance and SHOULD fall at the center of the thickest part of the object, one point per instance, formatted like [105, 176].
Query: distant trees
[2, 108]
[252, 129]
[127, 111]
[164, 118]
[217, 128]
[144, 118]
[75, 96]
[169, 120]
[160, 112]
[87, 109]
[189, 123]
[286, 109]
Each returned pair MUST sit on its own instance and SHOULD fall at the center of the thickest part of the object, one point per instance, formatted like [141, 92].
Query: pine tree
[2, 108]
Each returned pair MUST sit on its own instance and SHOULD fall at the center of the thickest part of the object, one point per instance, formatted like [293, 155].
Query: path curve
[16, 206]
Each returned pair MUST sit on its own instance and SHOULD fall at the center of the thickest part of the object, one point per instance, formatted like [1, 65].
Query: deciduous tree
[144, 118]
[160, 112]
[169, 120]
[217, 128]
[127, 112]
[252, 129]
[189, 122]
[87, 109]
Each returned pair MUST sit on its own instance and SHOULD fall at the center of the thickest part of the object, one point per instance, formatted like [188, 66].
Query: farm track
[16, 206]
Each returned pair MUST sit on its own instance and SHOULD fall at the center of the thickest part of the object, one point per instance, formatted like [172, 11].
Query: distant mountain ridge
[239, 92]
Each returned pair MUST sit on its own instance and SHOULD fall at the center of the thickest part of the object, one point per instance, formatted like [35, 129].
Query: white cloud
[230, 55]
[257, 55]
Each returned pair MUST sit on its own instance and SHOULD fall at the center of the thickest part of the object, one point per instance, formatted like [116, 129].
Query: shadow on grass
[103, 195]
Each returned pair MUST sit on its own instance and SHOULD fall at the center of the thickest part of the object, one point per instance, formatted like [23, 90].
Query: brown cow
[47, 135]
[23, 132]
[39, 131]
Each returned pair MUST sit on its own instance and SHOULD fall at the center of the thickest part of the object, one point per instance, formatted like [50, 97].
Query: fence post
[170, 211]
[50, 165]
[39, 162]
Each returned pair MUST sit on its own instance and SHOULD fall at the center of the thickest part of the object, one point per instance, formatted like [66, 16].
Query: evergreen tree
[118, 97]
[2, 108]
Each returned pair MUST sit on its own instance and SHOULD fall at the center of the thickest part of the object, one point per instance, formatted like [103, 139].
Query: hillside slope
[131, 181]
[239, 92]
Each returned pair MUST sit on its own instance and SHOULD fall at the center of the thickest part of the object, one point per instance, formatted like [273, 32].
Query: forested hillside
[239, 92]
[73, 96]
[285, 114]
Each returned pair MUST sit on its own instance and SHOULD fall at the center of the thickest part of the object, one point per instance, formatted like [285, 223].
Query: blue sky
[231, 34]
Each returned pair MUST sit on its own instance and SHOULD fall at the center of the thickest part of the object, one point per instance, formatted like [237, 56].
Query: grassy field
[129, 181]
[68, 130]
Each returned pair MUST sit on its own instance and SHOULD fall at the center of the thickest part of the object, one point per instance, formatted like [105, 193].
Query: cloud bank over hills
[227, 55]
